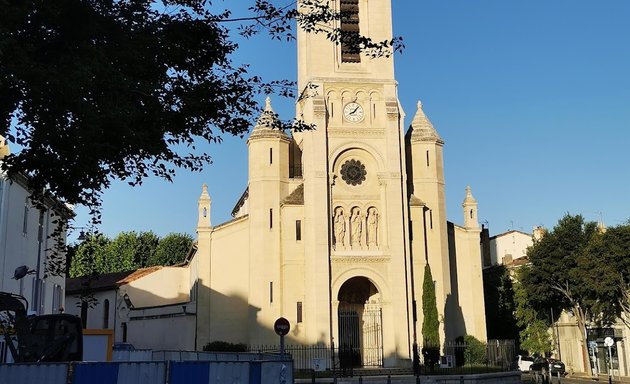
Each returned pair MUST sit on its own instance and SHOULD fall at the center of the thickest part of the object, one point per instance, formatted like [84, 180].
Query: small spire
[469, 197]
[204, 203]
[204, 192]
[470, 210]
[268, 104]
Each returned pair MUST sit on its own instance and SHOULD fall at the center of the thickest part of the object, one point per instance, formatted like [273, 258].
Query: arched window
[350, 50]
[105, 314]
[84, 314]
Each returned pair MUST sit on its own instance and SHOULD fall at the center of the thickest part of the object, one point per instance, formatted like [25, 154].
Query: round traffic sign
[609, 341]
[281, 326]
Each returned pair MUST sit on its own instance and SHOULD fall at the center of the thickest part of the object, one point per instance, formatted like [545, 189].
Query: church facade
[337, 223]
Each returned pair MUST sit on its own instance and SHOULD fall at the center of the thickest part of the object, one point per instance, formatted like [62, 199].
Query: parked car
[522, 363]
[546, 365]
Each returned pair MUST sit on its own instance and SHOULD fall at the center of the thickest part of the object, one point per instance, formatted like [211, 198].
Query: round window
[353, 172]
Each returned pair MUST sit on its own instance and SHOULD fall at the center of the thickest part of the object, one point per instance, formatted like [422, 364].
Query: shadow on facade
[187, 325]
[454, 323]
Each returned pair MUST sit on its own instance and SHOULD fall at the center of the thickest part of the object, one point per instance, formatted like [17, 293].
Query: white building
[26, 241]
[139, 309]
[507, 247]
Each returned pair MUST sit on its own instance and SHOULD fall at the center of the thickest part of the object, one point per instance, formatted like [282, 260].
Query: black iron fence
[456, 357]
[305, 357]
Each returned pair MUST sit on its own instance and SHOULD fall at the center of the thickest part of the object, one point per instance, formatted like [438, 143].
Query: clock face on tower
[353, 112]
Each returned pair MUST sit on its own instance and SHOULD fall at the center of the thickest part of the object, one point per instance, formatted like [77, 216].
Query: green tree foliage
[172, 249]
[121, 253]
[127, 251]
[96, 91]
[617, 240]
[89, 256]
[534, 334]
[499, 302]
[430, 323]
[147, 244]
[572, 268]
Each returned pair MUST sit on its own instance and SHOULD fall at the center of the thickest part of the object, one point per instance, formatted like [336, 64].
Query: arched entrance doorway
[359, 320]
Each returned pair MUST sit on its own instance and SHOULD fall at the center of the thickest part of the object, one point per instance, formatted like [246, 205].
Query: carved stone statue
[340, 228]
[356, 228]
[372, 227]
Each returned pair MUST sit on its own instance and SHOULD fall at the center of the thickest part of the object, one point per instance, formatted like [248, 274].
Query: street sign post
[281, 327]
[609, 342]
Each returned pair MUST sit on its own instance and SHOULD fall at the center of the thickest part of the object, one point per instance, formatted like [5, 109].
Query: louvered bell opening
[350, 52]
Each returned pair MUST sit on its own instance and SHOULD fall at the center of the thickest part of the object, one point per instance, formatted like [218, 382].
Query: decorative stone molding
[269, 134]
[391, 107]
[359, 259]
[358, 131]
[319, 107]
[382, 178]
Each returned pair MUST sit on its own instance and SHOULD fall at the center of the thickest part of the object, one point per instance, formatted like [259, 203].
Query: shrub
[474, 351]
[224, 346]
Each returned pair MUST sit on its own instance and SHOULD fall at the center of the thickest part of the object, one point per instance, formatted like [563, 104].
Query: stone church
[337, 223]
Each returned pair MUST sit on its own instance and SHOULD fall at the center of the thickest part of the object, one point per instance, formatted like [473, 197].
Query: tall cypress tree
[430, 324]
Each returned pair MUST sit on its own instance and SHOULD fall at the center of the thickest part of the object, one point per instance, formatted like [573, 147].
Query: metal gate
[360, 336]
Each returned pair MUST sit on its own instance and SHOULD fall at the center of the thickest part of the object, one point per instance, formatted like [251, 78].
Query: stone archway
[360, 324]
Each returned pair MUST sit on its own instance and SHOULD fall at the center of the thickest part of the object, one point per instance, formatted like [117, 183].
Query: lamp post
[82, 234]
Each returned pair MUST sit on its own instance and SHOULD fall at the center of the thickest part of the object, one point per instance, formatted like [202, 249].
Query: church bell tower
[356, 254]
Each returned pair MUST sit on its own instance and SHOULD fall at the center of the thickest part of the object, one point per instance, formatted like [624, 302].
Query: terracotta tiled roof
[510, 231]
[240, 202]
[296, 197]
[415, 201]
[106, 281]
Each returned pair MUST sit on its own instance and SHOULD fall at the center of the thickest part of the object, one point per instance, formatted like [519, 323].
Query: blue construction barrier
[150, 372]
[53, 373]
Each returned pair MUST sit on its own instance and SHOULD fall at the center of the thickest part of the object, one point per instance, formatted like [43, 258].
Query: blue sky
[532, 99]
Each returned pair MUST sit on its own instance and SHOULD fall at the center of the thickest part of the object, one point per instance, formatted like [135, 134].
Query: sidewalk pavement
[402, 379]
[398, 379]
[600, 379]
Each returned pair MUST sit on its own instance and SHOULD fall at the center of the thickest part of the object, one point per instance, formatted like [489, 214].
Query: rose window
[353, 172]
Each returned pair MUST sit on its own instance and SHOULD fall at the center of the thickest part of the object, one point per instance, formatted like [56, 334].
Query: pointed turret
[421, 128]
[268, 148]
[470, 210]
[268, 125]
[204, 204]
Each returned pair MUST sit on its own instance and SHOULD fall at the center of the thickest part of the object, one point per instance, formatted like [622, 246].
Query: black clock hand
[356, 109]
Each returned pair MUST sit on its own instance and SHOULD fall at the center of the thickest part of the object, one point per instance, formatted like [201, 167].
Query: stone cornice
[391, 107]
[268, 134]
[428, 139]
[319, 107]
[359, 259]
[345, 80]
[357, 131]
